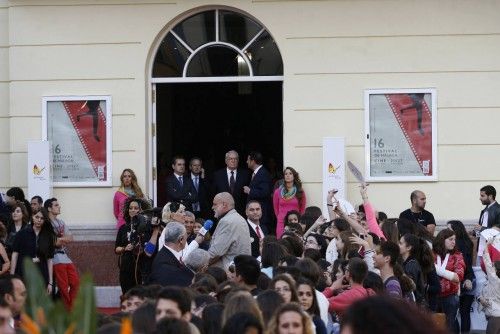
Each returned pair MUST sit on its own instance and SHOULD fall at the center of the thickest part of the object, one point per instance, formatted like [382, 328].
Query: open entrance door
[208, 119]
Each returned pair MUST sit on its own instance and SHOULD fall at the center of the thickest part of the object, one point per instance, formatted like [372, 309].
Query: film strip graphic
[89, 123]
[415, 120]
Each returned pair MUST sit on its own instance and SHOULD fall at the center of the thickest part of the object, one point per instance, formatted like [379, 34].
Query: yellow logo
[332, 169]
[37, 170]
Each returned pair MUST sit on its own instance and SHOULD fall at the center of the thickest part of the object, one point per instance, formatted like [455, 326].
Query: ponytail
[407, 284]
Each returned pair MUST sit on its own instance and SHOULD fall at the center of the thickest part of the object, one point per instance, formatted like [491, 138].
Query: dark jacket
[167, 270]
[254, 238]
[186, 193]
[493, 215]
[261, 188]
[221, 184]
[204, 198]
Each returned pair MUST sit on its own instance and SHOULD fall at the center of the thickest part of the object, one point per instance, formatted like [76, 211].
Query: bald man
[231, 236]
[417, 212]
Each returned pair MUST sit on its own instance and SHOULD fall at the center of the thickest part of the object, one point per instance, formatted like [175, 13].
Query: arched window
[217, 43]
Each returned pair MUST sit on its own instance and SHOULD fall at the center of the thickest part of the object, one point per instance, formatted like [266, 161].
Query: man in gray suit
[231, 237]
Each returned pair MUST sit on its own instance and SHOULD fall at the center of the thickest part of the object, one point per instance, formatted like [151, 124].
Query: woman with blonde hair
[128, 188]
[241, 301]
[290, 318]
[287, 197]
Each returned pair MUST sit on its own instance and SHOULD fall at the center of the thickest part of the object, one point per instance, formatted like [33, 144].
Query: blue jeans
[449, 306]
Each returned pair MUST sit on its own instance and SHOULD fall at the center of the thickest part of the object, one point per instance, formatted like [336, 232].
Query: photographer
[129, 243]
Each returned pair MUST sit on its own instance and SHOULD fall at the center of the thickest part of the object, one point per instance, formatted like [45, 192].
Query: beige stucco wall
[332, 51]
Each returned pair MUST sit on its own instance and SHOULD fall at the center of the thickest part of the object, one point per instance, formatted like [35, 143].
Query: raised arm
[355, 225]
[371, 221]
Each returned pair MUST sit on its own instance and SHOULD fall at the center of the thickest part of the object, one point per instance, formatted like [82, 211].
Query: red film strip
[90, 125]
[415, 120]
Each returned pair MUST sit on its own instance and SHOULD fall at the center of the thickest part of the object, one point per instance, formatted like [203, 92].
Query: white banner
[333, 168]
[39, 172]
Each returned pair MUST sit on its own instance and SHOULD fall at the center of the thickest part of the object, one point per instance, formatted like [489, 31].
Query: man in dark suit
[168, 268]
[257, 232]
[260, 188]
[232, 180]
[180, 188]
[489, 214]
[202, 207]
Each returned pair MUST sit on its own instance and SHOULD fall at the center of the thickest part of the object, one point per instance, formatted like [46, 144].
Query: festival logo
[332, 169]
[37, 170]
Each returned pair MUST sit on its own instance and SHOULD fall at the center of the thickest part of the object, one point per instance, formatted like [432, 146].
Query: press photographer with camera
[130, 241]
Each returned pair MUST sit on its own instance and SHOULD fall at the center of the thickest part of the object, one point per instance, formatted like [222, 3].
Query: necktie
[196, 183]
[257, 229]
[232, 182]
[253, 175]
[180, 180]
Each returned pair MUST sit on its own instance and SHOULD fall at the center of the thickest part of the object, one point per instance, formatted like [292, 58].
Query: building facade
[331, 52]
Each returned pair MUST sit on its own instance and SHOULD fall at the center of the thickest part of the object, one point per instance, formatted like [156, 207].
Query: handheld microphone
[206, 227]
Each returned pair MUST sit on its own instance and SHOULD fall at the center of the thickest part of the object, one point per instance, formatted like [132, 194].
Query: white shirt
[482, 240]
[257, 169]
[196, 205]
[229, 175]
[323, 305]
[185, 252]
[178, 255]
[484, 222]
[254, 226]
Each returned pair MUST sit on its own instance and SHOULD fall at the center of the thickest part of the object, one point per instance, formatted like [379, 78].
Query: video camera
[153, 217]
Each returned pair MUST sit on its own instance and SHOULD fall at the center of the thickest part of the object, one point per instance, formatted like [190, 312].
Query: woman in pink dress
[288, 196]
[128, 188]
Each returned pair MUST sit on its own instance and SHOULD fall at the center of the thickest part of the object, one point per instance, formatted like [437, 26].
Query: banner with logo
[39, 173]
[333, 167]
[401, 135]
[79, 130]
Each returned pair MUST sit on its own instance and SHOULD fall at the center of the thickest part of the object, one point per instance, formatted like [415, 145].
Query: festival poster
[401, 135]
[79, 133]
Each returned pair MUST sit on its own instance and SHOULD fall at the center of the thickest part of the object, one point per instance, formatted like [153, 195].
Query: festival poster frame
[401, 135]
[81, 147]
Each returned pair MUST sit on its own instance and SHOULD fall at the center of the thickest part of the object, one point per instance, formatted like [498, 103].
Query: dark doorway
[209, 119]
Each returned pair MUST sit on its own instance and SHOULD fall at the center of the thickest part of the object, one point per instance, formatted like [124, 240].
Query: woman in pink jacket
[128, 188]
[287, 197]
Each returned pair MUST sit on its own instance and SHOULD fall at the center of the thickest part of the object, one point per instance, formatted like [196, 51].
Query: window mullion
[181, 41]
[253, 40]
[216, 25]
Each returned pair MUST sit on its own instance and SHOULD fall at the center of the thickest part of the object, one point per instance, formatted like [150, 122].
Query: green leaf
[57, 319]
[84, 313]
[36, 288]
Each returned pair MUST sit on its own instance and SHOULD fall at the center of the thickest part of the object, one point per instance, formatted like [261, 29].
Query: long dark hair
[438, 245]
[461, 233]
[289, 213]
[272, 254]
[390, 230]
[143, 205]
[46, 237]
[421, 252]
[24, 210]
[314, 309]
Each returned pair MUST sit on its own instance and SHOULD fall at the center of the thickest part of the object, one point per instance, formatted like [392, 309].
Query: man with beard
[231, 235]
[488, 215]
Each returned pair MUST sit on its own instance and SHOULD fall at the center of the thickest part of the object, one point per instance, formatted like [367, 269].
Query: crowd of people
[239, 252]
[35, 231]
